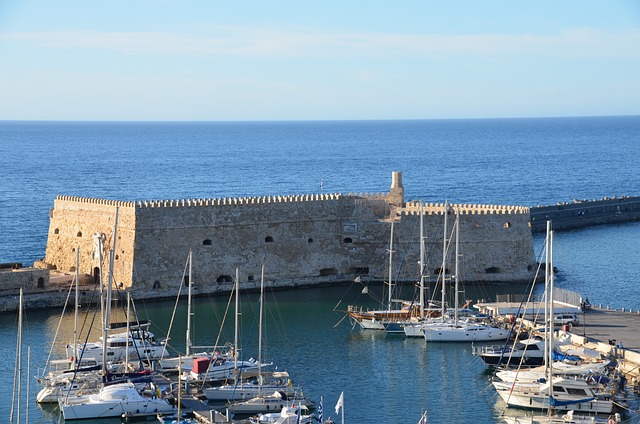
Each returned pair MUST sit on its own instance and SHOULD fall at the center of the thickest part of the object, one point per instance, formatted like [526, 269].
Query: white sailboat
[558, 393]
[186, 362]
[220, 367]
[113, 401]
[458, 329]
[244, 390]
[279, 398]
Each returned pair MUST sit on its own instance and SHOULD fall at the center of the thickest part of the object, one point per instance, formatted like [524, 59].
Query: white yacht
[113, 401]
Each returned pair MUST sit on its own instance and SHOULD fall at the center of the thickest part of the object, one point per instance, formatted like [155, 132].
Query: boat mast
[188, 337]
[551, 323]
[260, 332]
[421, 260]
[390, 265]
[456, 300]
[17, 376]
[126, 359]
[444, 258]
[107, 303]
[75, 316]
[235, 338]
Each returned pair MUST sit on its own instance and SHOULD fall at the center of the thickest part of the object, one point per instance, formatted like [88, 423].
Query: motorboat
[113, 401]
[277, 381]
[270, 403]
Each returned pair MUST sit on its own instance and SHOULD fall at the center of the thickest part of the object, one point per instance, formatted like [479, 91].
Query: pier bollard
[623, 309]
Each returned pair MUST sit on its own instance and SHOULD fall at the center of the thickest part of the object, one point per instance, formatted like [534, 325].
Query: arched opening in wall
[156, 285]
[328, 271]
[506, 225]
[41, 282]
[364, 270]
[529, 268]
[347, 240]
[72, 269]
[492, 270]
[310, 240]
[206, 242]
[224, 279]
[96, 275]
[250, 277]
[79, 234]
[56, 231]
[268, 239]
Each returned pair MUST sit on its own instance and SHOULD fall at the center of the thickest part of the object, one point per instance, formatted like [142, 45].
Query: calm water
[385, 379]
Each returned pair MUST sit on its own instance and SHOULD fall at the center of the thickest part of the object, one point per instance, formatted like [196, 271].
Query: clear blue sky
[292, 60]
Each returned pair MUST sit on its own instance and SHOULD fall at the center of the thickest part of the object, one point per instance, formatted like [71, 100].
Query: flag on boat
[340, 403]
[319, 411]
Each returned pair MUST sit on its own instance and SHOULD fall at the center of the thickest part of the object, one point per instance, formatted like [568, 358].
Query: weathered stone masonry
[302, 240]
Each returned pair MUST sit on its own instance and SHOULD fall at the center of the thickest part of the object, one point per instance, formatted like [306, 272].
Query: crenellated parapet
[228, 201]
[413, 208]
[96, 201]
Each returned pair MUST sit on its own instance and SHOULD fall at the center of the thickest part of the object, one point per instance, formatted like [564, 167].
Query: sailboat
[220, 367]
[277, 399]
[457, 329]
[397, 309]
[117, 399]
[186, 361]
[554, 392]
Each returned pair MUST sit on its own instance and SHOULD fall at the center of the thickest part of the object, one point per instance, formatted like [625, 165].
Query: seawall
[583, 213]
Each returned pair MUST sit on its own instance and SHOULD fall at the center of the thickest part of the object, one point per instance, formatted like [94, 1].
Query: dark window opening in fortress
[359, 270]
[268, 239]
[72, 269]
[79, 234]
[437, 271]
[206, 242]
[185, 280]
[73, 249]
[310, 240]
[492, 270]
[348, 240]
[530, 268]
[156, 284]
[41, 282]
[117, 257]
[250, 277]
[507, 225]
[224, 279]
[96, 275]
[56, 231]
[328, 271]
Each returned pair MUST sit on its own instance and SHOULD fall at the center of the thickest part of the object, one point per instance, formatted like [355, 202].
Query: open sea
[385, 379]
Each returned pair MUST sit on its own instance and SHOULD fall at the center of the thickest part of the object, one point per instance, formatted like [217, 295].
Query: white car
[565, 319]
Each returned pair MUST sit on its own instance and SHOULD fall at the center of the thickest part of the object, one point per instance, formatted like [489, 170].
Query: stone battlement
[413, 208]
[303, 239]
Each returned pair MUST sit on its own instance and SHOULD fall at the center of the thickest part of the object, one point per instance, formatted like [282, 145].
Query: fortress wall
[297, 240]
[303, 240]
[495, 243]
[73, 223]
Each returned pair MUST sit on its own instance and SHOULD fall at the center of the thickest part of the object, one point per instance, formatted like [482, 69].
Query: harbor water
[385, 379]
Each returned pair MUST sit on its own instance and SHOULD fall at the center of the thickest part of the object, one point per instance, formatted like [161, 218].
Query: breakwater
[582, 213]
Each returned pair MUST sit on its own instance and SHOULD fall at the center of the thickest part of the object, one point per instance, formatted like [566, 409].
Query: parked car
[564, 319]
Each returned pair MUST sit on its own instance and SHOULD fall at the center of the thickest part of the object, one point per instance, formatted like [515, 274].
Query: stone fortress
[302, 240]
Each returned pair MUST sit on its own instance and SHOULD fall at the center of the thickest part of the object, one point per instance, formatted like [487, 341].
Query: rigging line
[55, 336]
[175, 307]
